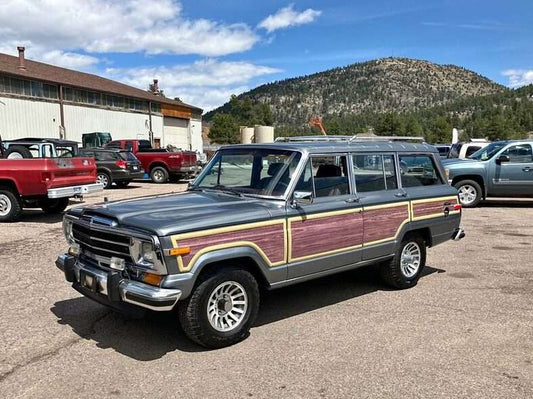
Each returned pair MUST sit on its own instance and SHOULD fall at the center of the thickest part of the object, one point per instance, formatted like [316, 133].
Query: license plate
[135, 168]
[89, 281]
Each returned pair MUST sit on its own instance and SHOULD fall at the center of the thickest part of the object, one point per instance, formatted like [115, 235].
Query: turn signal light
[153, 279]
[180, 251]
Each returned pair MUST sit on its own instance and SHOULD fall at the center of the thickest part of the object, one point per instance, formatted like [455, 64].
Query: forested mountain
[387, 96]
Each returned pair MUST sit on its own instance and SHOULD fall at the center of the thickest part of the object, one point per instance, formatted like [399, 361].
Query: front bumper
[111, 289]
[72, 191]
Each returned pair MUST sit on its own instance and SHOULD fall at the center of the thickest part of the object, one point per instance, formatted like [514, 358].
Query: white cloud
[519, 77]
[286, 17]
[103, 26]
[207, 83]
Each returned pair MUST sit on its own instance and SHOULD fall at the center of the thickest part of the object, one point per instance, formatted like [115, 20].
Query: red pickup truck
[159, 163]
[45, 183]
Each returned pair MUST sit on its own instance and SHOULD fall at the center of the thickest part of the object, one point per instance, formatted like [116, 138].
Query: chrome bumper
[113, 288]
[72, 191]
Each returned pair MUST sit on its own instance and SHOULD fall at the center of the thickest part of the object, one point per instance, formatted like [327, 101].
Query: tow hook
[458, 234]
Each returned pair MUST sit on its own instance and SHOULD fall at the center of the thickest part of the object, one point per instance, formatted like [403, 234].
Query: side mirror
[502, 158]
[302, 197]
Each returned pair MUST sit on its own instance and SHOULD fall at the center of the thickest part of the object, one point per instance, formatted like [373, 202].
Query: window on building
[418, 170]
[30, 88]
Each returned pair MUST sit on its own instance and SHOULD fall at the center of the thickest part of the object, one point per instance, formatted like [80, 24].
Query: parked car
[39, 148]
[501, 169]
[43, 183]
[263, 215]
[463, 150]
[160, 163]
[114, 166]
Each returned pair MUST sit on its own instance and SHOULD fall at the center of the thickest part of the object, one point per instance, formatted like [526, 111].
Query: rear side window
[127, 156]
[470, 150]
[374, 172]
[418, 170]
[105, 156]
[326, 175]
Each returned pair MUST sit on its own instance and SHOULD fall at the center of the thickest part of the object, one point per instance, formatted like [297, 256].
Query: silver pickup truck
[263, 216]
[502, 169]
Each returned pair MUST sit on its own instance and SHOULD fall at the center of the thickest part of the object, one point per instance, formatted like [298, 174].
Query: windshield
[488, 152]
[250, 171]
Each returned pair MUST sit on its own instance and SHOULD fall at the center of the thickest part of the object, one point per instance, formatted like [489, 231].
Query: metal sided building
[41, 100]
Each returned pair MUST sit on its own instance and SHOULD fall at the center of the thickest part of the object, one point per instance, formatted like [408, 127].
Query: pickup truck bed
[43, 183]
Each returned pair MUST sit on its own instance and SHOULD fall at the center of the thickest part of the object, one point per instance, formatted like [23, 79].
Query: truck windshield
[261, 172]
[488, 152]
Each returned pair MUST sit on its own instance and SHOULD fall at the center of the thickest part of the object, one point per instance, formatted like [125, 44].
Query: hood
[168, 214]
[457, 161]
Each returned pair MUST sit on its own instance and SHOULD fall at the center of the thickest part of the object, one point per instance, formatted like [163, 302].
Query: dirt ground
[465, 331]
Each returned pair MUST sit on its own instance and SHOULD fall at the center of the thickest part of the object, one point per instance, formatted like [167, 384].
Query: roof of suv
[43, 140]
[342, 146]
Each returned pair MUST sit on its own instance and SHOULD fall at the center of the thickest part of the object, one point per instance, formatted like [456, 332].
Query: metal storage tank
[264, 134]
[247, 135]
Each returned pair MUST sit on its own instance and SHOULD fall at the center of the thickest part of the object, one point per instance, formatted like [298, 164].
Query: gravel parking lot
[466, 330]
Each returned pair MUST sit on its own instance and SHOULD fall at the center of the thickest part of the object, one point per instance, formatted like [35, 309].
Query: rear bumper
[111, 289]
[120, 175]
[186, 170]
[72, 191]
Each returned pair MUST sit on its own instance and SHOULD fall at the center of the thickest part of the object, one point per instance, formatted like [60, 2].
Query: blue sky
[202, 51]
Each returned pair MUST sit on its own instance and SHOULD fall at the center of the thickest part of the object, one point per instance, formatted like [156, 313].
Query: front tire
[403, 271]
[53, 206]
[469, 193]
[221, 309]
[10, 205]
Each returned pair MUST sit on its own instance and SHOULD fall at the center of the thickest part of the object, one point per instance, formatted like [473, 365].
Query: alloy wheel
[410, 259]
[5, 205]
[227, 306]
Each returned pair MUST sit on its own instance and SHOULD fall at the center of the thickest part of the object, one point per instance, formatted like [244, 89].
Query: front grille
[102, 244]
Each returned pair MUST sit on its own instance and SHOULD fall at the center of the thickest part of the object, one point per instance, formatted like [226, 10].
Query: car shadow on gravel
[157, 334]
[315, 294]
[507, 203]
[38, 216]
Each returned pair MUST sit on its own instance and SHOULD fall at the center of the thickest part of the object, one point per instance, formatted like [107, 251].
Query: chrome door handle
[527, 169]
[401, 195]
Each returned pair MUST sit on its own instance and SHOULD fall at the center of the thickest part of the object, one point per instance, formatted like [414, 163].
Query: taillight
[457, 207]
[121, 164]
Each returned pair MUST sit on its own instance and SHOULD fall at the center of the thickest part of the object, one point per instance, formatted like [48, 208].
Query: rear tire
[53, 206]
[18, 152]
[221, 309]
[470, 193]
[104, 178]
[403, 271]
[159, 175]
[10, 205]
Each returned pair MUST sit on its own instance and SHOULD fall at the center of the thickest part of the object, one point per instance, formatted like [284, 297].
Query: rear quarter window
[419, 170]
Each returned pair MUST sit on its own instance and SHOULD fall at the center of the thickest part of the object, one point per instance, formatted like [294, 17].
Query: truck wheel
[10, 205]
[122, 184]
[221, 309]
[469, 193]
[52, 206]
[104, 178]
[403, 271]
[17, 152]
[159, 175]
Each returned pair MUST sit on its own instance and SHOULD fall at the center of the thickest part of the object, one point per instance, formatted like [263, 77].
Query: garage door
[176, 132]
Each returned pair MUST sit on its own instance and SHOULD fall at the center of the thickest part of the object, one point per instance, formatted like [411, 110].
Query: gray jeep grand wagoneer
[263, 216]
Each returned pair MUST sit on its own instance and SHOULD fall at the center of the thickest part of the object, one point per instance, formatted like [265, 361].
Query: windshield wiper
[227, 190]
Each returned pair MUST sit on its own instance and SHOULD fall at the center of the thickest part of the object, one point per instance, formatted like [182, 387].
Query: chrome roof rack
[349, 139]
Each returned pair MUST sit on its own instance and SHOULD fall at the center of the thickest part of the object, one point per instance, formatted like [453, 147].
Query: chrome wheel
[227, 306]
[159, 175]
[410, 259]
[102, 179]
[467, 194]
[5, 205]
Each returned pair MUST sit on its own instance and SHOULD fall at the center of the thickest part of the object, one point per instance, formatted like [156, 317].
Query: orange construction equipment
[317, 121]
